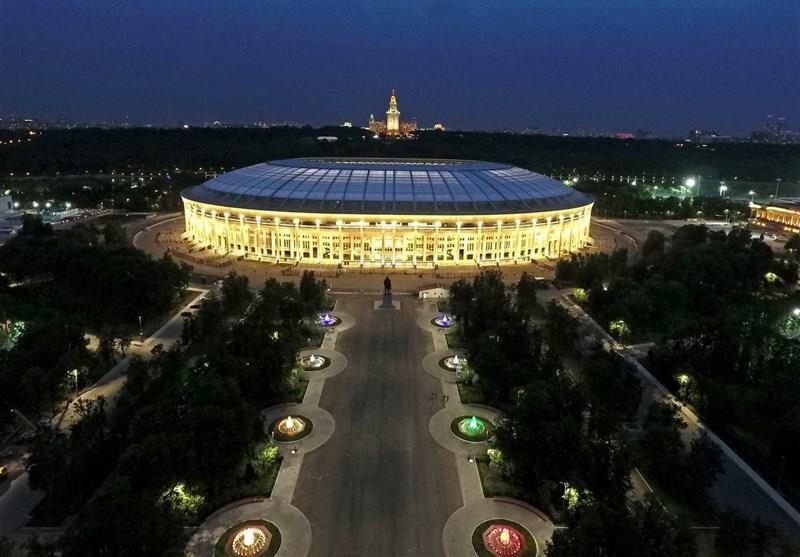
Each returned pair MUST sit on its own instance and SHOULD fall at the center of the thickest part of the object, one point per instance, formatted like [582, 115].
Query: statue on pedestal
[387, 293]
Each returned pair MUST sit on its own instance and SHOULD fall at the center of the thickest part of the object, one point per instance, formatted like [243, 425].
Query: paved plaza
[381, 485]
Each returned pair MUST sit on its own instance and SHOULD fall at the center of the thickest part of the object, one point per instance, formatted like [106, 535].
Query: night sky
[612, 65]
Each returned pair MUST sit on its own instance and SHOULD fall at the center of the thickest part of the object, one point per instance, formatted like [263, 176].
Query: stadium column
[416, 233]
[549, 238]
[361, 241]
[257, 242]
[437, 224]
[478, 248]
[498, 245]
[339, 223]
[296, 240]
[394, 241]
[319, 242]
[458, 243]
[277, 222]
[242, 234]
[227, 238]
[517, 241]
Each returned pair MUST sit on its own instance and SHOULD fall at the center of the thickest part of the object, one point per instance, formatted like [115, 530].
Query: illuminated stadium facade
[374, 212]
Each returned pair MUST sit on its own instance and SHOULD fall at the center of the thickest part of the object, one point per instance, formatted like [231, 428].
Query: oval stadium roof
[386, 186]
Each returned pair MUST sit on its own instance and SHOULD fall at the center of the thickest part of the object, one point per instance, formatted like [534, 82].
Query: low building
[782, 217]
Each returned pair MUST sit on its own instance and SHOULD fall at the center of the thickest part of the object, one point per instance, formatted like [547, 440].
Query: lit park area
[254, 538]
[472, 428]
[290, 428]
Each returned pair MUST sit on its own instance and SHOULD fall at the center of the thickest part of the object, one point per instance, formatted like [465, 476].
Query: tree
[312, 291]
[236, 293]
[114, 234]
[654, 244]
[793, 246]
[739, 536]
[526, 294]
[661, 441]
[645, 528]
[703, 465]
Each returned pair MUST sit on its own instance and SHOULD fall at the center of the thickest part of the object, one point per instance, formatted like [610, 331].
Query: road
[381, 485]
[17, 500]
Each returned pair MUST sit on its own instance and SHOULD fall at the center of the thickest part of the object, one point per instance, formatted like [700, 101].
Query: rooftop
[379, 186]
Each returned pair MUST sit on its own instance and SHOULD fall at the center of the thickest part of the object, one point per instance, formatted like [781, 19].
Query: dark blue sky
[612, 65]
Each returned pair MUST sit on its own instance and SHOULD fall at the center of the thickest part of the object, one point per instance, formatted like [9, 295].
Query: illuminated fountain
[454, 363]
[443, 320]
[291, 427]
[314, 361]
[472, 427]
[503, 541]
[250, 541]
[328, 320]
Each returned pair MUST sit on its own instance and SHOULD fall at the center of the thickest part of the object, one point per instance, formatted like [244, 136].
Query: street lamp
[752, 195]
[690, 183]
[722, 189]
[796, 312]
[74, 374]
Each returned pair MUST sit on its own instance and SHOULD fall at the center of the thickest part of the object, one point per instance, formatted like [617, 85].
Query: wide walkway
[381, 485]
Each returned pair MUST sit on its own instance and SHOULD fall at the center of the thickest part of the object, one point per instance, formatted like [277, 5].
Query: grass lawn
[257, 487]
[298, 391]
[493, 482]
[470, 394]
[443, 306]
[454, 341]
[696, 513]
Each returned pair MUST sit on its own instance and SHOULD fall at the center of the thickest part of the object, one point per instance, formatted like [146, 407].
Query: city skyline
[621, 66]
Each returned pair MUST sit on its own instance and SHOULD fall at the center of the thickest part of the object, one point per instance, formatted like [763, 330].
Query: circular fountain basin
[326, 319]
[444, 321]
[254, 538]
[314, 362]
[288, 429]
[473, 429]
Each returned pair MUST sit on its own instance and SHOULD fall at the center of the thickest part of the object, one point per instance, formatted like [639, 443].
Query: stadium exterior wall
[354, 240]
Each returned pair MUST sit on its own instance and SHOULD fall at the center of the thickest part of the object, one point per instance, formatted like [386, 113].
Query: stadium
[359, 212]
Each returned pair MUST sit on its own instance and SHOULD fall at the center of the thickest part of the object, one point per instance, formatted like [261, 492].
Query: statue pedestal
[387, 303]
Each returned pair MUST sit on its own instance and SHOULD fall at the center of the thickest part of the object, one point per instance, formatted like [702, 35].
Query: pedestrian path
[457, 533]
[294, 526]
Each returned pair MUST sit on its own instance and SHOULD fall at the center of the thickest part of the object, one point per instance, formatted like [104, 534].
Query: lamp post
[722, 189]
[752, 195]
[690, 183]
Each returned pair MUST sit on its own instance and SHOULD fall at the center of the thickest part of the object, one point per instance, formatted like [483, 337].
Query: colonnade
[370, 240]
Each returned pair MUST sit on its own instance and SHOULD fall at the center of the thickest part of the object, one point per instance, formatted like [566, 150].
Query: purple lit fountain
[443, 321]
[328, 320]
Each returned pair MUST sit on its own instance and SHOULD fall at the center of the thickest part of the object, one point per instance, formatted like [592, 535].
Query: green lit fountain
[472, 427]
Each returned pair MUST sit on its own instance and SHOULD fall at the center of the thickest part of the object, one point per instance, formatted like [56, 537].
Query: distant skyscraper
[775, 126]
[392, 126]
